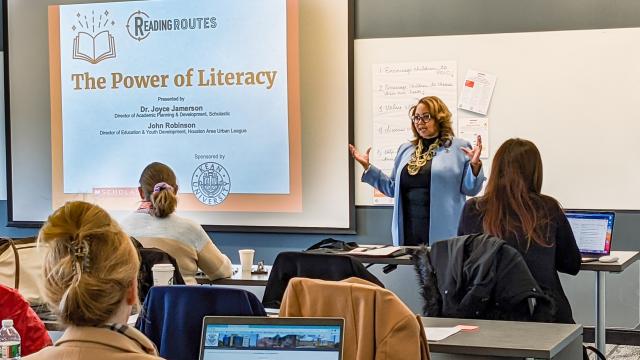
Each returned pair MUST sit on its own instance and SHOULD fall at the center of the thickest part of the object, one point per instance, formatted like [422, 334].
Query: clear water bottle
[9, 341]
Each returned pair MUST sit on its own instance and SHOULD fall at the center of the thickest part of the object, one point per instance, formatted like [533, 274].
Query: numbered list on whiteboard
[397, 87]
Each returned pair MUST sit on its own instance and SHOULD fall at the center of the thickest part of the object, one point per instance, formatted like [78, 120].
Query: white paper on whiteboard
[470, 128]
[477, 91]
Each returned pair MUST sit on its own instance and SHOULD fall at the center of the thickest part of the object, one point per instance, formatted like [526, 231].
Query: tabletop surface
[504, 338]
[239, 278]
[625, 258]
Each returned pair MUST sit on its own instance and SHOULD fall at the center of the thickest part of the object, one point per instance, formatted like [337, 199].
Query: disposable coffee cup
[162, 274]
[246, 259]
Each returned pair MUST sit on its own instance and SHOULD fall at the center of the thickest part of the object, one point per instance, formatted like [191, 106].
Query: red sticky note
[469, 83]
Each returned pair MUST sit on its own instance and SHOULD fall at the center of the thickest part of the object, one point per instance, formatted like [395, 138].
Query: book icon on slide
[94, 48]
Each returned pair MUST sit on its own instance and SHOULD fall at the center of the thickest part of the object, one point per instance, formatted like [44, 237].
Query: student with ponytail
[90, 282]
[154, 224]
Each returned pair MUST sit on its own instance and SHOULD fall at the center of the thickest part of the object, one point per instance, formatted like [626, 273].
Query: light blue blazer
[451, 182]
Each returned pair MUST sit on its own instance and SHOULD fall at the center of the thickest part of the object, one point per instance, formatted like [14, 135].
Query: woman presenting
[431, 177]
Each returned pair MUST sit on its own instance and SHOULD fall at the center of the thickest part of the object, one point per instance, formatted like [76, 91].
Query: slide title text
[192, 77]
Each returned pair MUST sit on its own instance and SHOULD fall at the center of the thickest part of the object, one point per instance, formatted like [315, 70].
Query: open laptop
[240, 338]
[592, 231]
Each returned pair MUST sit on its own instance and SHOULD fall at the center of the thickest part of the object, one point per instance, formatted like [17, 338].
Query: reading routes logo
[140, 25]
[93, 43]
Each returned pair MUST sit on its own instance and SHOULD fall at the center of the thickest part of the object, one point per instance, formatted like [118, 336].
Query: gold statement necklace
[420, 159]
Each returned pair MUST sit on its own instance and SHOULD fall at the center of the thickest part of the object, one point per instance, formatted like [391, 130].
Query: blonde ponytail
[90, 264]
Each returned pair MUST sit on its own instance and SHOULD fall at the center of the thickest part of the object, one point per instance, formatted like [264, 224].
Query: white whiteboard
[573, 93]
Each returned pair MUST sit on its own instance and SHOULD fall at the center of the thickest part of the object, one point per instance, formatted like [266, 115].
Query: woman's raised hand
[474, 154]
[363, 159]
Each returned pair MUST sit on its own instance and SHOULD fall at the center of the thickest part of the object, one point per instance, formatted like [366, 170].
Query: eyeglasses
[425, 118]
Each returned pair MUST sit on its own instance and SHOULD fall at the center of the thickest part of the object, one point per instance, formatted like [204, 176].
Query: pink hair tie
[162, 186]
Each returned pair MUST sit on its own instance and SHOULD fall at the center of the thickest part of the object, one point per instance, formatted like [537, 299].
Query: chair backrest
[377, 324]
[479, 276]
[148, 258]
[314, 266]
[172, 315]
[21, 262]
[185, 255]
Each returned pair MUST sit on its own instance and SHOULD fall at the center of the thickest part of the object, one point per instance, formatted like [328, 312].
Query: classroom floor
[621, 352]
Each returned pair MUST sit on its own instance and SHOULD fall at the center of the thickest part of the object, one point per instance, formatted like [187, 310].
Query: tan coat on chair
[377, 324]
[93, 343]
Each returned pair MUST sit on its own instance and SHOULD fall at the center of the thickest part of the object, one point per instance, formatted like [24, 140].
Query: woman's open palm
[363, 159]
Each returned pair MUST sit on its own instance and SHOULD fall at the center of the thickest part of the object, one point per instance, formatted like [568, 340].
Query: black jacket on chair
[479, 276]
[314, 266]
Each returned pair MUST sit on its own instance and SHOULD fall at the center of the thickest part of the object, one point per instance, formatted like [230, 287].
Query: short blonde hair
[90, 265]
[440, 114]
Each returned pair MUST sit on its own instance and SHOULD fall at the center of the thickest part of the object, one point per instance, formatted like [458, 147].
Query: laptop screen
[592, 231]
[271, 338]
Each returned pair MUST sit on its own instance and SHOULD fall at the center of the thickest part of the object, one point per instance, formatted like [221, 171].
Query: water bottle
[9, 341]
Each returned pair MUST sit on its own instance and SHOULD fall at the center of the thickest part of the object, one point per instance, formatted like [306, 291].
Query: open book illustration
[94, 48]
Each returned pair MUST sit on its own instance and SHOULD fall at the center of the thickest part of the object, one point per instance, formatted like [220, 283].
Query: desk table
[625, 259]
[507, 339]
[239, 278]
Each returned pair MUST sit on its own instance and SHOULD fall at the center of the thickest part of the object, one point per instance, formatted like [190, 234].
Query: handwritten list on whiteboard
[396, 88]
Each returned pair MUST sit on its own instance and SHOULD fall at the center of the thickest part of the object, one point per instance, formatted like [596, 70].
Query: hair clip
[79, 251]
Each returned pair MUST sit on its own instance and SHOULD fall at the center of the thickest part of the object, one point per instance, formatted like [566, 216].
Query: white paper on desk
[477, 91]
[470, 128]
[440, 333]
[374, 250]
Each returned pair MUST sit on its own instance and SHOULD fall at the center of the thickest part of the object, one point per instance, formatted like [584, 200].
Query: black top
[416, 199]
[544, 262]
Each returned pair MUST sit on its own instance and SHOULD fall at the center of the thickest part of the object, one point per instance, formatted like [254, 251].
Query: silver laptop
[240, 338]
[593, 232]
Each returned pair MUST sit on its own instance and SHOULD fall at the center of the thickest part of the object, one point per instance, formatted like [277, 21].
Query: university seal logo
[210, 183]
[93, 42]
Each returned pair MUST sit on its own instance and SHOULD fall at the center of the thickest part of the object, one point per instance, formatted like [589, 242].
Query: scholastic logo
[140, 25]
[93, 42]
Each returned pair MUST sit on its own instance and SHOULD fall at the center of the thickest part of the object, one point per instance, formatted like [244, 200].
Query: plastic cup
[162, 274]
[246, 259]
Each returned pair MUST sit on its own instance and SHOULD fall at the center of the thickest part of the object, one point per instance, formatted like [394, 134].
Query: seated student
[32, 332]
[513, 209]
[187, 242]
[90, 282]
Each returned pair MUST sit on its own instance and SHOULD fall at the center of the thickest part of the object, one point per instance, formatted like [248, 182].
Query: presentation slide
[210, 89]
[249, 102]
